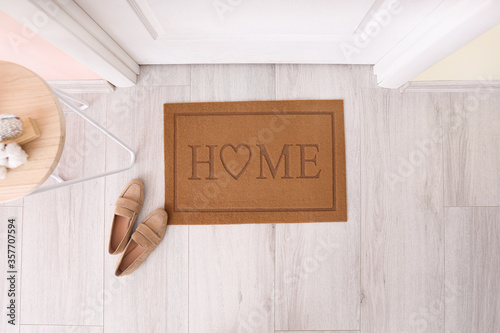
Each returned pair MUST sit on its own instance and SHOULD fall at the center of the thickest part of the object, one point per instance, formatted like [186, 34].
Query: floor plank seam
[60, 325]
[188, 278]
[21, 265]
[471, 206]
[443, 218]
[275, 238]
[188, 229]
[327, 331]
[360, 219]
[274, 279]
[164, 86]
[104, 222]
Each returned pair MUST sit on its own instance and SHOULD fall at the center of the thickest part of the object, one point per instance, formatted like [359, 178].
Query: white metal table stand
[71, 102]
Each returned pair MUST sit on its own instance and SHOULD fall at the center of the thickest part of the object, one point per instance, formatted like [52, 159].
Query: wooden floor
[420, 252]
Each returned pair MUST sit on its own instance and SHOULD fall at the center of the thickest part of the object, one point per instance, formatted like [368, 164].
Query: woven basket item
[10, 127]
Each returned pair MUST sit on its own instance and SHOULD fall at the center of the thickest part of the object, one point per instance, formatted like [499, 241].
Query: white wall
[477, 60]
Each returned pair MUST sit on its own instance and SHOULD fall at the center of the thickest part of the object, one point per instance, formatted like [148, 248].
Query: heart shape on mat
[229, 167]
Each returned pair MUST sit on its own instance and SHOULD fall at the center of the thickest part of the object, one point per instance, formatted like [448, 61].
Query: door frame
[449, 26]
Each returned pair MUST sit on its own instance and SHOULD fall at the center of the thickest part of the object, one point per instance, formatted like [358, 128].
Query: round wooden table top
[25, 94]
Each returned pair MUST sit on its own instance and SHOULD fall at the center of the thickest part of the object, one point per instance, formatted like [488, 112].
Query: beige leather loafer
[144, 240]
[127, 208]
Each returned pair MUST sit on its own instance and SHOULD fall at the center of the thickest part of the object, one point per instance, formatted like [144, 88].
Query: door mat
[255, 162]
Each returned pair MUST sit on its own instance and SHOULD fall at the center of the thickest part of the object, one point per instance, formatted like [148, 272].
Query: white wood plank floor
[62, 276]
[402, 245]
[472, 295]
[306, 280]
[231, 278]
[60, 329]
[472, 159]
[405, 261]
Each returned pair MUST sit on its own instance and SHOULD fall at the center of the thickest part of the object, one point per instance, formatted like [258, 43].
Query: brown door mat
[255, 162]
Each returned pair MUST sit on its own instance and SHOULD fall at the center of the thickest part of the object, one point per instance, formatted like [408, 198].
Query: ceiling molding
[68, 27]
[148, 17]
[377, 7]
[79, 15]
[450, 26]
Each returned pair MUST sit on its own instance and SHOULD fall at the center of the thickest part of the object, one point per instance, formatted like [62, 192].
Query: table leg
[69, 101]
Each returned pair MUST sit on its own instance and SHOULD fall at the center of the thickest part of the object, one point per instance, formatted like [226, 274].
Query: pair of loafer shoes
[146, 237]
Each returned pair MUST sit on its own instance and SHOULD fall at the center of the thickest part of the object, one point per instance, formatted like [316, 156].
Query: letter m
[264, 155]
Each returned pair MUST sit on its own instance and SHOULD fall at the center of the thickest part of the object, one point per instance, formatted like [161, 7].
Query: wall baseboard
[451, 86]
[83, 86]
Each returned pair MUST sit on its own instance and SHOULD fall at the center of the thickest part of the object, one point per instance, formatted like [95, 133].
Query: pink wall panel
[22, 46]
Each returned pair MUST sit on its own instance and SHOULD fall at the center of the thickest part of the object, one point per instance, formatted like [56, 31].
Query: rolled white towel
[11, 156]
[3, 172]
[16, 155]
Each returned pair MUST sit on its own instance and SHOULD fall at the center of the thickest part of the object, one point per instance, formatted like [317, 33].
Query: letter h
[210, 162]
